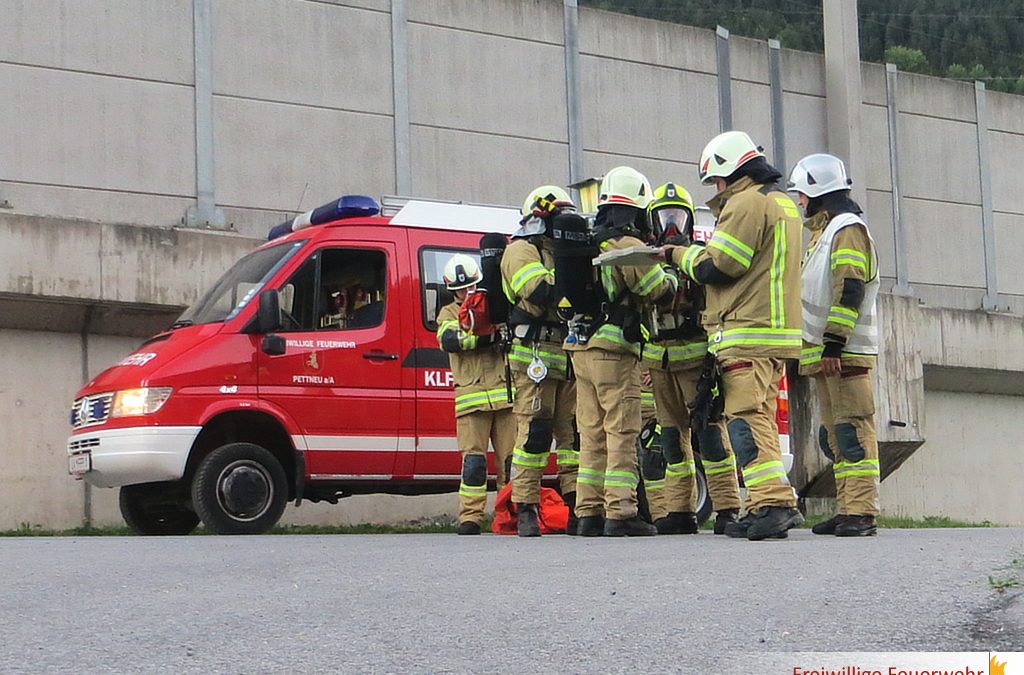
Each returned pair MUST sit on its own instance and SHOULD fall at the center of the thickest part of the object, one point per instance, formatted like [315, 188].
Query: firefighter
[751, 270]
[675, 358]
[483, 413]
[840, 340]
[546, 397]
[605, 353]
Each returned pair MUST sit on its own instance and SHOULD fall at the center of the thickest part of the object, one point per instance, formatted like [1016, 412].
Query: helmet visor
[671, 220]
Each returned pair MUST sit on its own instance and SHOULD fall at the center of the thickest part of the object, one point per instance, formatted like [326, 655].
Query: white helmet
[625, 185]
[819, 174]
[542, 201]
[725, 153]
[461, 271]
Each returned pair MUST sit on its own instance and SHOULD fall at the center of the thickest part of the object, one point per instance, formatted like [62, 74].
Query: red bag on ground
[554, 514]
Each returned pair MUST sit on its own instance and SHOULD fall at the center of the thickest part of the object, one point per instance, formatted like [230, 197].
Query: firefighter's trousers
[847, 437]
[751, 385]
[657, 503]
[672, 391]
[654, 477]
[544, 413]
[608, 417]
[475, 432]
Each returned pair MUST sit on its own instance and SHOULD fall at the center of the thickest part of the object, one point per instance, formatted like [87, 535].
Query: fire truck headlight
[145, 401]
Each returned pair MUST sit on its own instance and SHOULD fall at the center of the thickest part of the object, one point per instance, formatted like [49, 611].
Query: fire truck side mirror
[268, 314]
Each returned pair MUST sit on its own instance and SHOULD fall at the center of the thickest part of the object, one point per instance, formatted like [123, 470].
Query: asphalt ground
[440, 603]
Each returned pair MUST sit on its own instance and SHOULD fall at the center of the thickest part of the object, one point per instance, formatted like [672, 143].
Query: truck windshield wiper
[182, 323]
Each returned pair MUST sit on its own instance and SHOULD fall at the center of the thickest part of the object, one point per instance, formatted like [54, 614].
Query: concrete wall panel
[938, 233]
[463, 80]
[1009, 245]
[627, 110]
[149, 40]
[966, 437]
[333, 152]
[376, 5]
[748, 59]
[81, 130]
[1005, 151]
[616, 36]
[878, 212]
[951, 147]
[1004, 112]
[805, 126]
[77, 248]
[752, 112]
[516, 166]
[534, 20]
[96, 205]
[872, 78]
[937, 97]
[303, 52]
[803, 72]
[39, 374]
[875, 147]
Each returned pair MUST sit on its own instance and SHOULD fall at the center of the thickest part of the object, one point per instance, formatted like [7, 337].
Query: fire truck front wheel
[156, 509]
[239, 488]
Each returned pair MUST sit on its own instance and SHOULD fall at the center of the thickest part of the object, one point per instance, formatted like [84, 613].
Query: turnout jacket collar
[818, 222]
[717, 203]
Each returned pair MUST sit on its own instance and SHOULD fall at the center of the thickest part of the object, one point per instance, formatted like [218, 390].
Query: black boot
[590, 526]
[630, 527]
[773, 521]
[828, 526]
[738, 528]
[677, 522]
[723, 518]
[857, 526]
[573, 523]
[528, 525]
[468, 527]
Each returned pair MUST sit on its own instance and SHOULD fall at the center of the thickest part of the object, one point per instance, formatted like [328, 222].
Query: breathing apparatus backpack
[576, 285]
[492, 247]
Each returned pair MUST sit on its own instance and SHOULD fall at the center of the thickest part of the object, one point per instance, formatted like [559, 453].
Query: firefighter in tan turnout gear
[751, 270]
[840, 339]
[483, 413]
[675, 358]
[605, 348]
[545, 397]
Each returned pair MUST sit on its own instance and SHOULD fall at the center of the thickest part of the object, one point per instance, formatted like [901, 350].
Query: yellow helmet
[542, 201]
[671, 211]
[627, 186]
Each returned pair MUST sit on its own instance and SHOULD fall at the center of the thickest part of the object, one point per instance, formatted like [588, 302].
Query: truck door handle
[379, 356]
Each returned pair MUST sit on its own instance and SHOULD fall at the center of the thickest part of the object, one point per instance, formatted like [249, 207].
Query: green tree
[907, 58]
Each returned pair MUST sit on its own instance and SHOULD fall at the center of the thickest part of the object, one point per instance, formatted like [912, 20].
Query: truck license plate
[79, 464]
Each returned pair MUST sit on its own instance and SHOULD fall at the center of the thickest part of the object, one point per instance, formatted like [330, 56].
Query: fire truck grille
[91, 410]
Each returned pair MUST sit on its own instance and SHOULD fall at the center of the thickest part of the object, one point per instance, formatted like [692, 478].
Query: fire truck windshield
[239, 285]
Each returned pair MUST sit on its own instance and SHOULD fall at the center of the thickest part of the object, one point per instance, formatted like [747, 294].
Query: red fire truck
[309, 371]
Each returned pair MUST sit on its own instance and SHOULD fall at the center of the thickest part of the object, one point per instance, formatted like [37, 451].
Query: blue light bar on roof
[348, 206]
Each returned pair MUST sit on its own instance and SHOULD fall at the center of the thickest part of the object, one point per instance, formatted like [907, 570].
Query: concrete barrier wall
[99, 140]
[303, 103]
